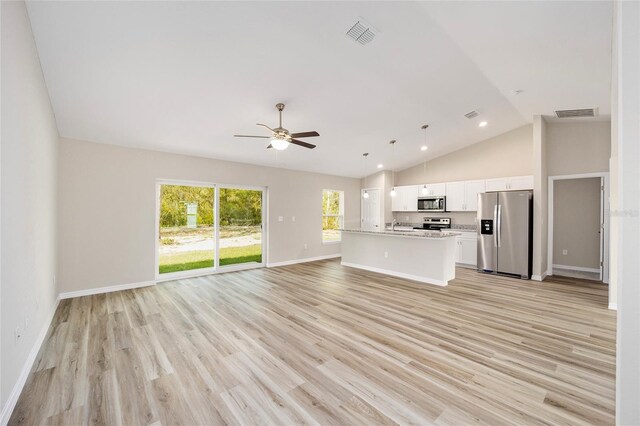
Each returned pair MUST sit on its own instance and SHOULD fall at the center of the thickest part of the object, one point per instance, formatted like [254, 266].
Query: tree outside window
[332, 215]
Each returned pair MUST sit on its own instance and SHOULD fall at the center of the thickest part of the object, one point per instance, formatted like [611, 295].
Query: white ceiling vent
[472, 114]
[571, 113]
[362, 32]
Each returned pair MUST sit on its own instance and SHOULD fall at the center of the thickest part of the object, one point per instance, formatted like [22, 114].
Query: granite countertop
[412, 233]
[454, 226]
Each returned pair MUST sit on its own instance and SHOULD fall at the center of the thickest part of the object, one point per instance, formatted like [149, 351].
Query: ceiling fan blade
[305, 134]
[264, 125]
[300, 143]
[270, 146]
[251, 136]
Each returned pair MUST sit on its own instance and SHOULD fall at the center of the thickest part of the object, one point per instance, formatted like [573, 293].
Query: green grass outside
[186, 261]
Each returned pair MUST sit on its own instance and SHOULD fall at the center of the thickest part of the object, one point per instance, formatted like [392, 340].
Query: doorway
[370, 213]
[578, 226]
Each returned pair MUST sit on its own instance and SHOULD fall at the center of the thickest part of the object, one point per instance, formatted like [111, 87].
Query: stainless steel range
[435, 223]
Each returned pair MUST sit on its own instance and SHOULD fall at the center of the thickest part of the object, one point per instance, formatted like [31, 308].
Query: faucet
[394, 222]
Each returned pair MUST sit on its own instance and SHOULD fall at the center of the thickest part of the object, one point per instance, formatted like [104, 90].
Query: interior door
[371, 211]
[487, 237]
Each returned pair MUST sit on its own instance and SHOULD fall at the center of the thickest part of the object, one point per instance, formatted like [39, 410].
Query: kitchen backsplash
[457, 218]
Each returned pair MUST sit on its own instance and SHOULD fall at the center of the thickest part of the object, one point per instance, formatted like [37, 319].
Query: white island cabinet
[424, 256]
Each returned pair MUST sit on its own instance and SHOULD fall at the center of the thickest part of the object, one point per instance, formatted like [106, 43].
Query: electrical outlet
[406, 218]
[280, 219]
[564, 252]
[293, 218]
[305, 246]
[27, 320]
[386, 254]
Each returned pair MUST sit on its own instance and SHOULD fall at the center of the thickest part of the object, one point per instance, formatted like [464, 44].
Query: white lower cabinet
[467, 249]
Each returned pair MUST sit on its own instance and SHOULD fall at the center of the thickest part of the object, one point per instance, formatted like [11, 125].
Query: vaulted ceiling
[185, 76]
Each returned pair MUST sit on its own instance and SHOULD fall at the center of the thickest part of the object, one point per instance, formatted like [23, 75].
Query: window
[332, 215]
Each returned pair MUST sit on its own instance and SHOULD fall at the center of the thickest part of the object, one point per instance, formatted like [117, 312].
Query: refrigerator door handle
[495, 225]
[498, 225]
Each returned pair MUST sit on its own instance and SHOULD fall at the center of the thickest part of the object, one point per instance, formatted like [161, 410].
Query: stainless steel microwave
[432, 204]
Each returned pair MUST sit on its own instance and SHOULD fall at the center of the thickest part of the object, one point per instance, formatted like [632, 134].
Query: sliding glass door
[186, 228]
[240, 233]
[203, 227]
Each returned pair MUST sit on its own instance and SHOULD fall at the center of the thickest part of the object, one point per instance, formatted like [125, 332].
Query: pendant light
[424, 148]
[393, 167]
[365, 194]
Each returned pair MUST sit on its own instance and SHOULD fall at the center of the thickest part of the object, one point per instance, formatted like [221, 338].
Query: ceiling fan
[280, 137]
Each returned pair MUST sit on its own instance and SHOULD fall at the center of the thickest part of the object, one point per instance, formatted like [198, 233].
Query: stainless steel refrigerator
[505, 232]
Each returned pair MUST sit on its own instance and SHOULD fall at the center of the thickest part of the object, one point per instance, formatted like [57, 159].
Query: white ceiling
[185, 76]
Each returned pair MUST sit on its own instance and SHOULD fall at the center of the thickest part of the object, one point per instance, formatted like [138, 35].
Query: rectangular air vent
[571, 113]
[472, 114]
[362, 32]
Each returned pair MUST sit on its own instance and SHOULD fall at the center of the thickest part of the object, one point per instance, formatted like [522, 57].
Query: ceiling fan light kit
[280, 137]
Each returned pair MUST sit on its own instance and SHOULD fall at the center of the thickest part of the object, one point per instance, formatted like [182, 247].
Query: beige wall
[107, 209]
[578, 147]
[28, 163]
[508, 154]
[576, 222]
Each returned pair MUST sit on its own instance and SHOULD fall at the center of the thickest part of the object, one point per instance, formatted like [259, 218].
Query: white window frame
[340, 215]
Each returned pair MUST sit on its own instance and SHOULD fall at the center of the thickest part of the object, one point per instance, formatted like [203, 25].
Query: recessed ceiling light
[380, 166]
[423, 148]
[482, 124]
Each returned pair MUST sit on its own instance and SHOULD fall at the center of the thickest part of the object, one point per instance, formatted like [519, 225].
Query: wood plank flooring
[319, 343]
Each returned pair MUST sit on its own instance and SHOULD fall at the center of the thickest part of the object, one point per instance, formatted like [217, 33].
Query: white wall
[627, 72]
[540, 190]
[28, 189]
[106, 209]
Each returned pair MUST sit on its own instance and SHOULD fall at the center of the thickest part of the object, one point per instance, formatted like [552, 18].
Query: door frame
[216, 199]
[263, 242]
[604, 219]
[380, 216]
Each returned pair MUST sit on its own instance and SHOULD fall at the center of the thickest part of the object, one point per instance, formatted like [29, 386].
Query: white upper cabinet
[432, 189]
[455, 196]
[521, 183]
[471, 190]
[463, 196]
[509, 183]
[406, 199]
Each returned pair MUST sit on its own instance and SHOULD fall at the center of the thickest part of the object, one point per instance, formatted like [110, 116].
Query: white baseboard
[99, 290]
[577, 268]
[539, 277]
[613, 306]
[305, 260]
[396, 274]
[7, 410]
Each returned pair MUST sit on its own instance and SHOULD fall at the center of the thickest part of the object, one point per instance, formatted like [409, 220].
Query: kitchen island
[424, 256]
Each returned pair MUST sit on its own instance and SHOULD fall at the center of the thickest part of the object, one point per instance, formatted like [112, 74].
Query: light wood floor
[323, 344]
